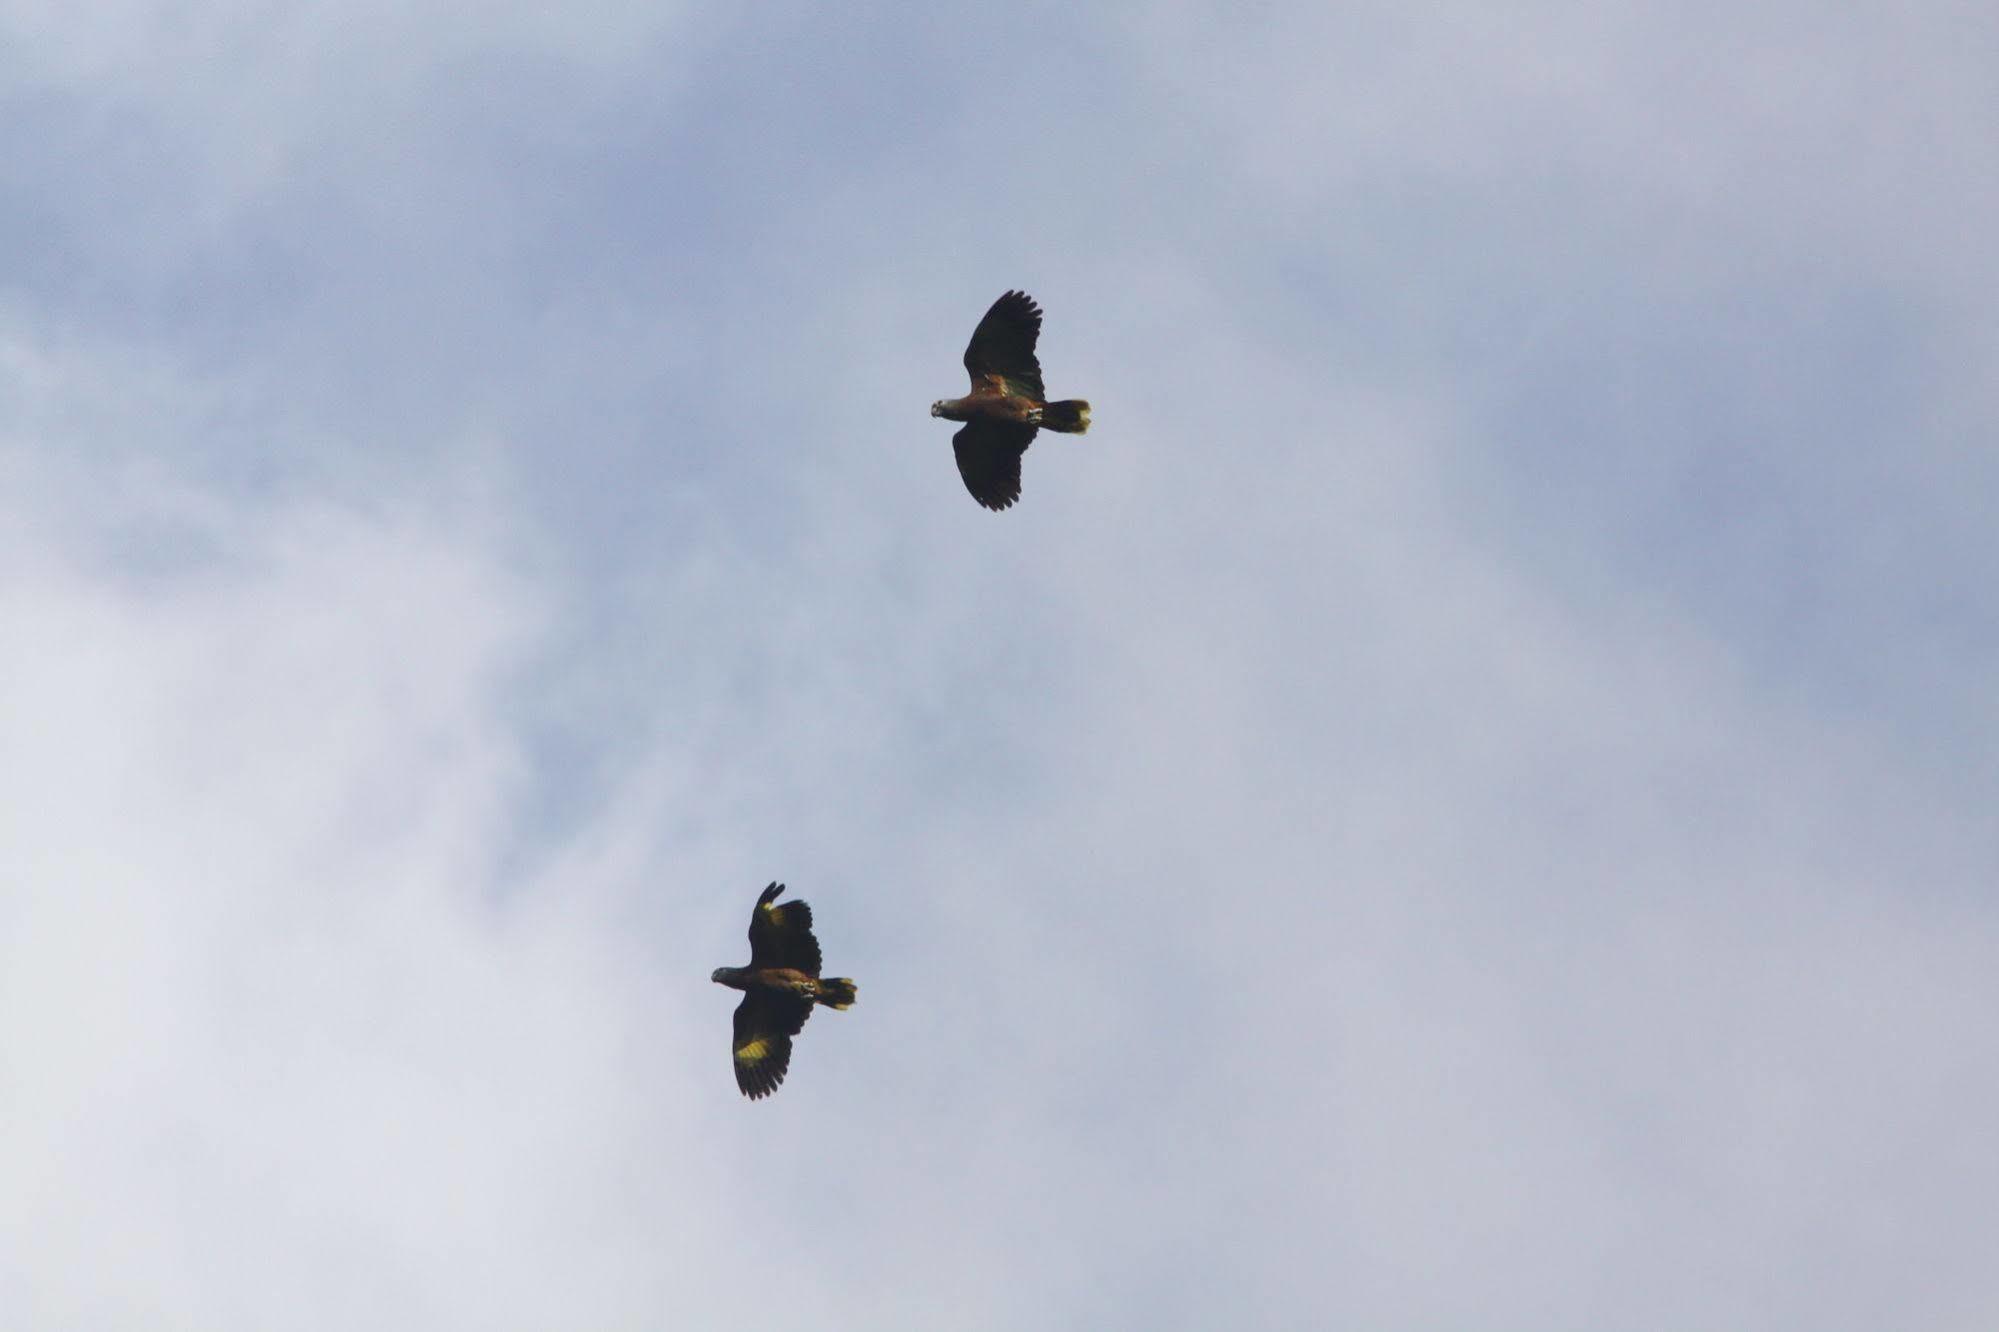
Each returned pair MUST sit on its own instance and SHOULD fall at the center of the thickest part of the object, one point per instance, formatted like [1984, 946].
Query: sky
[1465, 801]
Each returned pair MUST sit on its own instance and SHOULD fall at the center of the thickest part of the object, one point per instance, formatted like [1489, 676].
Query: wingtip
[1014, 296]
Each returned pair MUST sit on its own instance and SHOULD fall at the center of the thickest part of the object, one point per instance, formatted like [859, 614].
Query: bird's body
[992, 403]
[780, 987]
[1007, 404]
[776, 980]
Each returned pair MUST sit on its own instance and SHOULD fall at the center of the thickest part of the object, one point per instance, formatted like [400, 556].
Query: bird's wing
[1003, 345]
[989, 460]
[781, 934]
[765, 1024]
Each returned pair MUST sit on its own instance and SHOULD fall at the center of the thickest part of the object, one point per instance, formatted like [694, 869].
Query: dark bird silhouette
[1007, 404]
[780, 986]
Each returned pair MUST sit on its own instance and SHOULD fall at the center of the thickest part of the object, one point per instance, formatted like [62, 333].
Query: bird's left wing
[781, 934]
[1003, 345]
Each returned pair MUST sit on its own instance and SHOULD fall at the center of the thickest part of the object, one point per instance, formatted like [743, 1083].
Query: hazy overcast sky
[1467, 801]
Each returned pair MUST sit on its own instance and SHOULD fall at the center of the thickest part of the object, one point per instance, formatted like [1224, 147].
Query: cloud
[272, 1051]
[1459, 802]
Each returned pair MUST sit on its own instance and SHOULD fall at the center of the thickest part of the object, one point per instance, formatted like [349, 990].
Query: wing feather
[781, 934]
[989, 459]
[1003, 344]
[765, 1024]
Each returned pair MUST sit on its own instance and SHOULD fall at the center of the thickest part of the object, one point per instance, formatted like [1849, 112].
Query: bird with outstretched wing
[780, 987]
[1007, 404]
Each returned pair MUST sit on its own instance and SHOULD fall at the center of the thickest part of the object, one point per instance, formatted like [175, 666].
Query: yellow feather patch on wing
[752, 1052]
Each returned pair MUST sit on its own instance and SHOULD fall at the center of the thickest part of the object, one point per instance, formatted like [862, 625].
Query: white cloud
[1291, 878]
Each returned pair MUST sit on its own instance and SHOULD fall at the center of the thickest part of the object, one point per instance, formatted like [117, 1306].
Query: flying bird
[779, 987]
[1007, 403]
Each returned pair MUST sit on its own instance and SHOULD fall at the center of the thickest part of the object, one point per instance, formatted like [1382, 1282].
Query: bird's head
[937, 407]
[721, 975]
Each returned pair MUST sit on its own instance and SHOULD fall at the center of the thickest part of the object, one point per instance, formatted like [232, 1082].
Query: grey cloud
[1456, 803]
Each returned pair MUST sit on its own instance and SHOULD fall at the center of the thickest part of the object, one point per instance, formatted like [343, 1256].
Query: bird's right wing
[989, 460]
[765, 1024]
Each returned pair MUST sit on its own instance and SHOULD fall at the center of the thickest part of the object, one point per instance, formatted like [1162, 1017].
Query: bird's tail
[836, 992]
[1071, 417]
